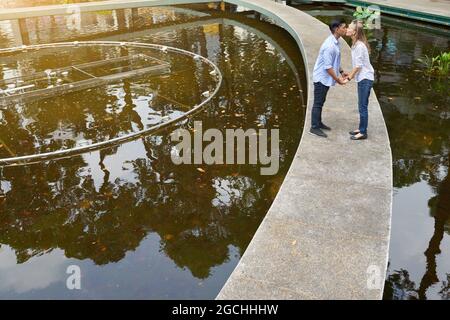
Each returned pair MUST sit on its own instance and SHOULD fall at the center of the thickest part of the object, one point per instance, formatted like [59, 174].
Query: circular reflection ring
[118, 140]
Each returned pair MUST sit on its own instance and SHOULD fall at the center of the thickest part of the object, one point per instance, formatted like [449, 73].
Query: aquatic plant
[443, 63]
[438, 66]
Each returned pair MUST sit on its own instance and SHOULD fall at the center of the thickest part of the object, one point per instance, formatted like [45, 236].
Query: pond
[137, 225]
[417, 114]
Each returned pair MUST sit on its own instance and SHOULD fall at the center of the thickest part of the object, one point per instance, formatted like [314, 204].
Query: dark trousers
[364, 87]
[320, 94]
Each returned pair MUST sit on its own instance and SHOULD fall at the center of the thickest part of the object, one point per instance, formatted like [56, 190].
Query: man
[325, 75]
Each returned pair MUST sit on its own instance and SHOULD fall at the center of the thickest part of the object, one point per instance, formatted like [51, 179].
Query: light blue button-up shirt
[329, 57]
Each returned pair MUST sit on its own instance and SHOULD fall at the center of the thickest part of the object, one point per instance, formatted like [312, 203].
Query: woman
[363, 74]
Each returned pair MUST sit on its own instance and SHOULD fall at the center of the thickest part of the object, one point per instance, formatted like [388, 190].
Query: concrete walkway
[327, 231]
[437, 7]
[29, 12]
[326, 235]
[433, 11]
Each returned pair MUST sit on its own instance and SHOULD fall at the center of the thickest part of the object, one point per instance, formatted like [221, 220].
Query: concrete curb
[423, 10]
[326, 235]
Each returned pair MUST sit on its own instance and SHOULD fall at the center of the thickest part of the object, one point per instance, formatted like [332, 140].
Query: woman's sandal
[353, 133]
[361, 137]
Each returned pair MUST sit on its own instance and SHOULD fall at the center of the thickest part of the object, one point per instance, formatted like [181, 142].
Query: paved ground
[438, 7]
[431, 11]
[17, 13]
[327, 232]
[330, 222]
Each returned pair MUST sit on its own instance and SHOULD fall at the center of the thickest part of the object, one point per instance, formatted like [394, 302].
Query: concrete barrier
[429, 11]
[326, 235]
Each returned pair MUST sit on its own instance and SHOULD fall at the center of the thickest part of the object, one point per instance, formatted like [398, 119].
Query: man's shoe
[324, 127]
[317, 132]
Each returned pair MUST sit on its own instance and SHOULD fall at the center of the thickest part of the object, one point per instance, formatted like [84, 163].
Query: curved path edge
[326, 235]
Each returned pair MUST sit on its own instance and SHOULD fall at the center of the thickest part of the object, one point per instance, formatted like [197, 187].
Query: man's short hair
[336, 24]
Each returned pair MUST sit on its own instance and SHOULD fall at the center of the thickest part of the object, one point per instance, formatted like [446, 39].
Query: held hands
[342, 80]
[348, 76]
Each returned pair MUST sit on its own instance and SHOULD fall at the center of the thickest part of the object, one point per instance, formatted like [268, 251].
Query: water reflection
[417, 114]
[440, 210]
[139, 226]
[95, 114]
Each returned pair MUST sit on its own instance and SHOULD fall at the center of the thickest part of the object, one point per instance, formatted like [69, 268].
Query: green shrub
[437, 66]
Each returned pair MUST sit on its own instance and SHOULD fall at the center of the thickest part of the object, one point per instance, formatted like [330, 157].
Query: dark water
[96, 114]
[417, 114]
[137, 225]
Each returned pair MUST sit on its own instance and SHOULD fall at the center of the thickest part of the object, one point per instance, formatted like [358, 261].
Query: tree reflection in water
[417, 115]
[103, 206]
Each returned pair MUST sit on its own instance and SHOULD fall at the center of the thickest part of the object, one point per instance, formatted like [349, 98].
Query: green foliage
[438, 66]
[366, 16]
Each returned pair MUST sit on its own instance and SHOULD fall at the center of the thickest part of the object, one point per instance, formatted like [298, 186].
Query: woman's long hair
[360, 34]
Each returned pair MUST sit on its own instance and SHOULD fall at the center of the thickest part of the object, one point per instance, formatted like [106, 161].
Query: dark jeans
[320, 94]
[364, 87]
